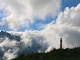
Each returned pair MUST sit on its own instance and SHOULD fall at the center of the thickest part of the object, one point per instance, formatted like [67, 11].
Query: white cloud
[5, 43]
[35, 40]
[8, 55]
[8, 48]
[21, 13]
[68, 23]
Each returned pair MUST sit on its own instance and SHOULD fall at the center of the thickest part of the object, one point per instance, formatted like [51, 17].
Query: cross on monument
[61, 35]
[61, 41]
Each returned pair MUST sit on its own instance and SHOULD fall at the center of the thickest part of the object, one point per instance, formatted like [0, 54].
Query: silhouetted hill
[56, 54]
[11, 37]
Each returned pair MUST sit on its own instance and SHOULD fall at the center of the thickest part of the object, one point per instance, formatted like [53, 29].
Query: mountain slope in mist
[56, 54]
[8, 35]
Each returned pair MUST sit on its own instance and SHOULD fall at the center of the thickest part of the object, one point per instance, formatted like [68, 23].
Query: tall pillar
[60, 43]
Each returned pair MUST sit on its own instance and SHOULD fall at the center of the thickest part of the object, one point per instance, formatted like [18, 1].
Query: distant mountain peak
[8, 35]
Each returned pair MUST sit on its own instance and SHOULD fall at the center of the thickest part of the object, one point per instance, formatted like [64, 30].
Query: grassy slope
[56, 54]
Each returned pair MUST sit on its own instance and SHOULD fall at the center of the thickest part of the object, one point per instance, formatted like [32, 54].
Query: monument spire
[61, 41]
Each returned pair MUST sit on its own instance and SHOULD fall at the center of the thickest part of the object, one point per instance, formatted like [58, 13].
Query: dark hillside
[56, 54]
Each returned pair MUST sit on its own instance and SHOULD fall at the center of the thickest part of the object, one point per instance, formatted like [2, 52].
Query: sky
[36, 21]
[39, 23]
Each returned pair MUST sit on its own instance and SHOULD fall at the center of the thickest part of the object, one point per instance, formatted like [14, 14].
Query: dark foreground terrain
[56, 54]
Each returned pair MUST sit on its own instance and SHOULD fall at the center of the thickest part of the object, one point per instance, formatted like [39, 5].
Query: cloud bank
[22, 13]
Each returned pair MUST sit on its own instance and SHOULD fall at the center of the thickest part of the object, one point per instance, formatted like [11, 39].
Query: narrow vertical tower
[60, 43]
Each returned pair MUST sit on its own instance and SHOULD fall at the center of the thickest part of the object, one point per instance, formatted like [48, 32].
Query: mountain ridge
[10, 36]
[56, 54]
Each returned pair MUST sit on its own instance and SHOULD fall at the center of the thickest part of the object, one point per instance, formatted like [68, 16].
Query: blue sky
[69, 3]
[65, 3]
[48, 19]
